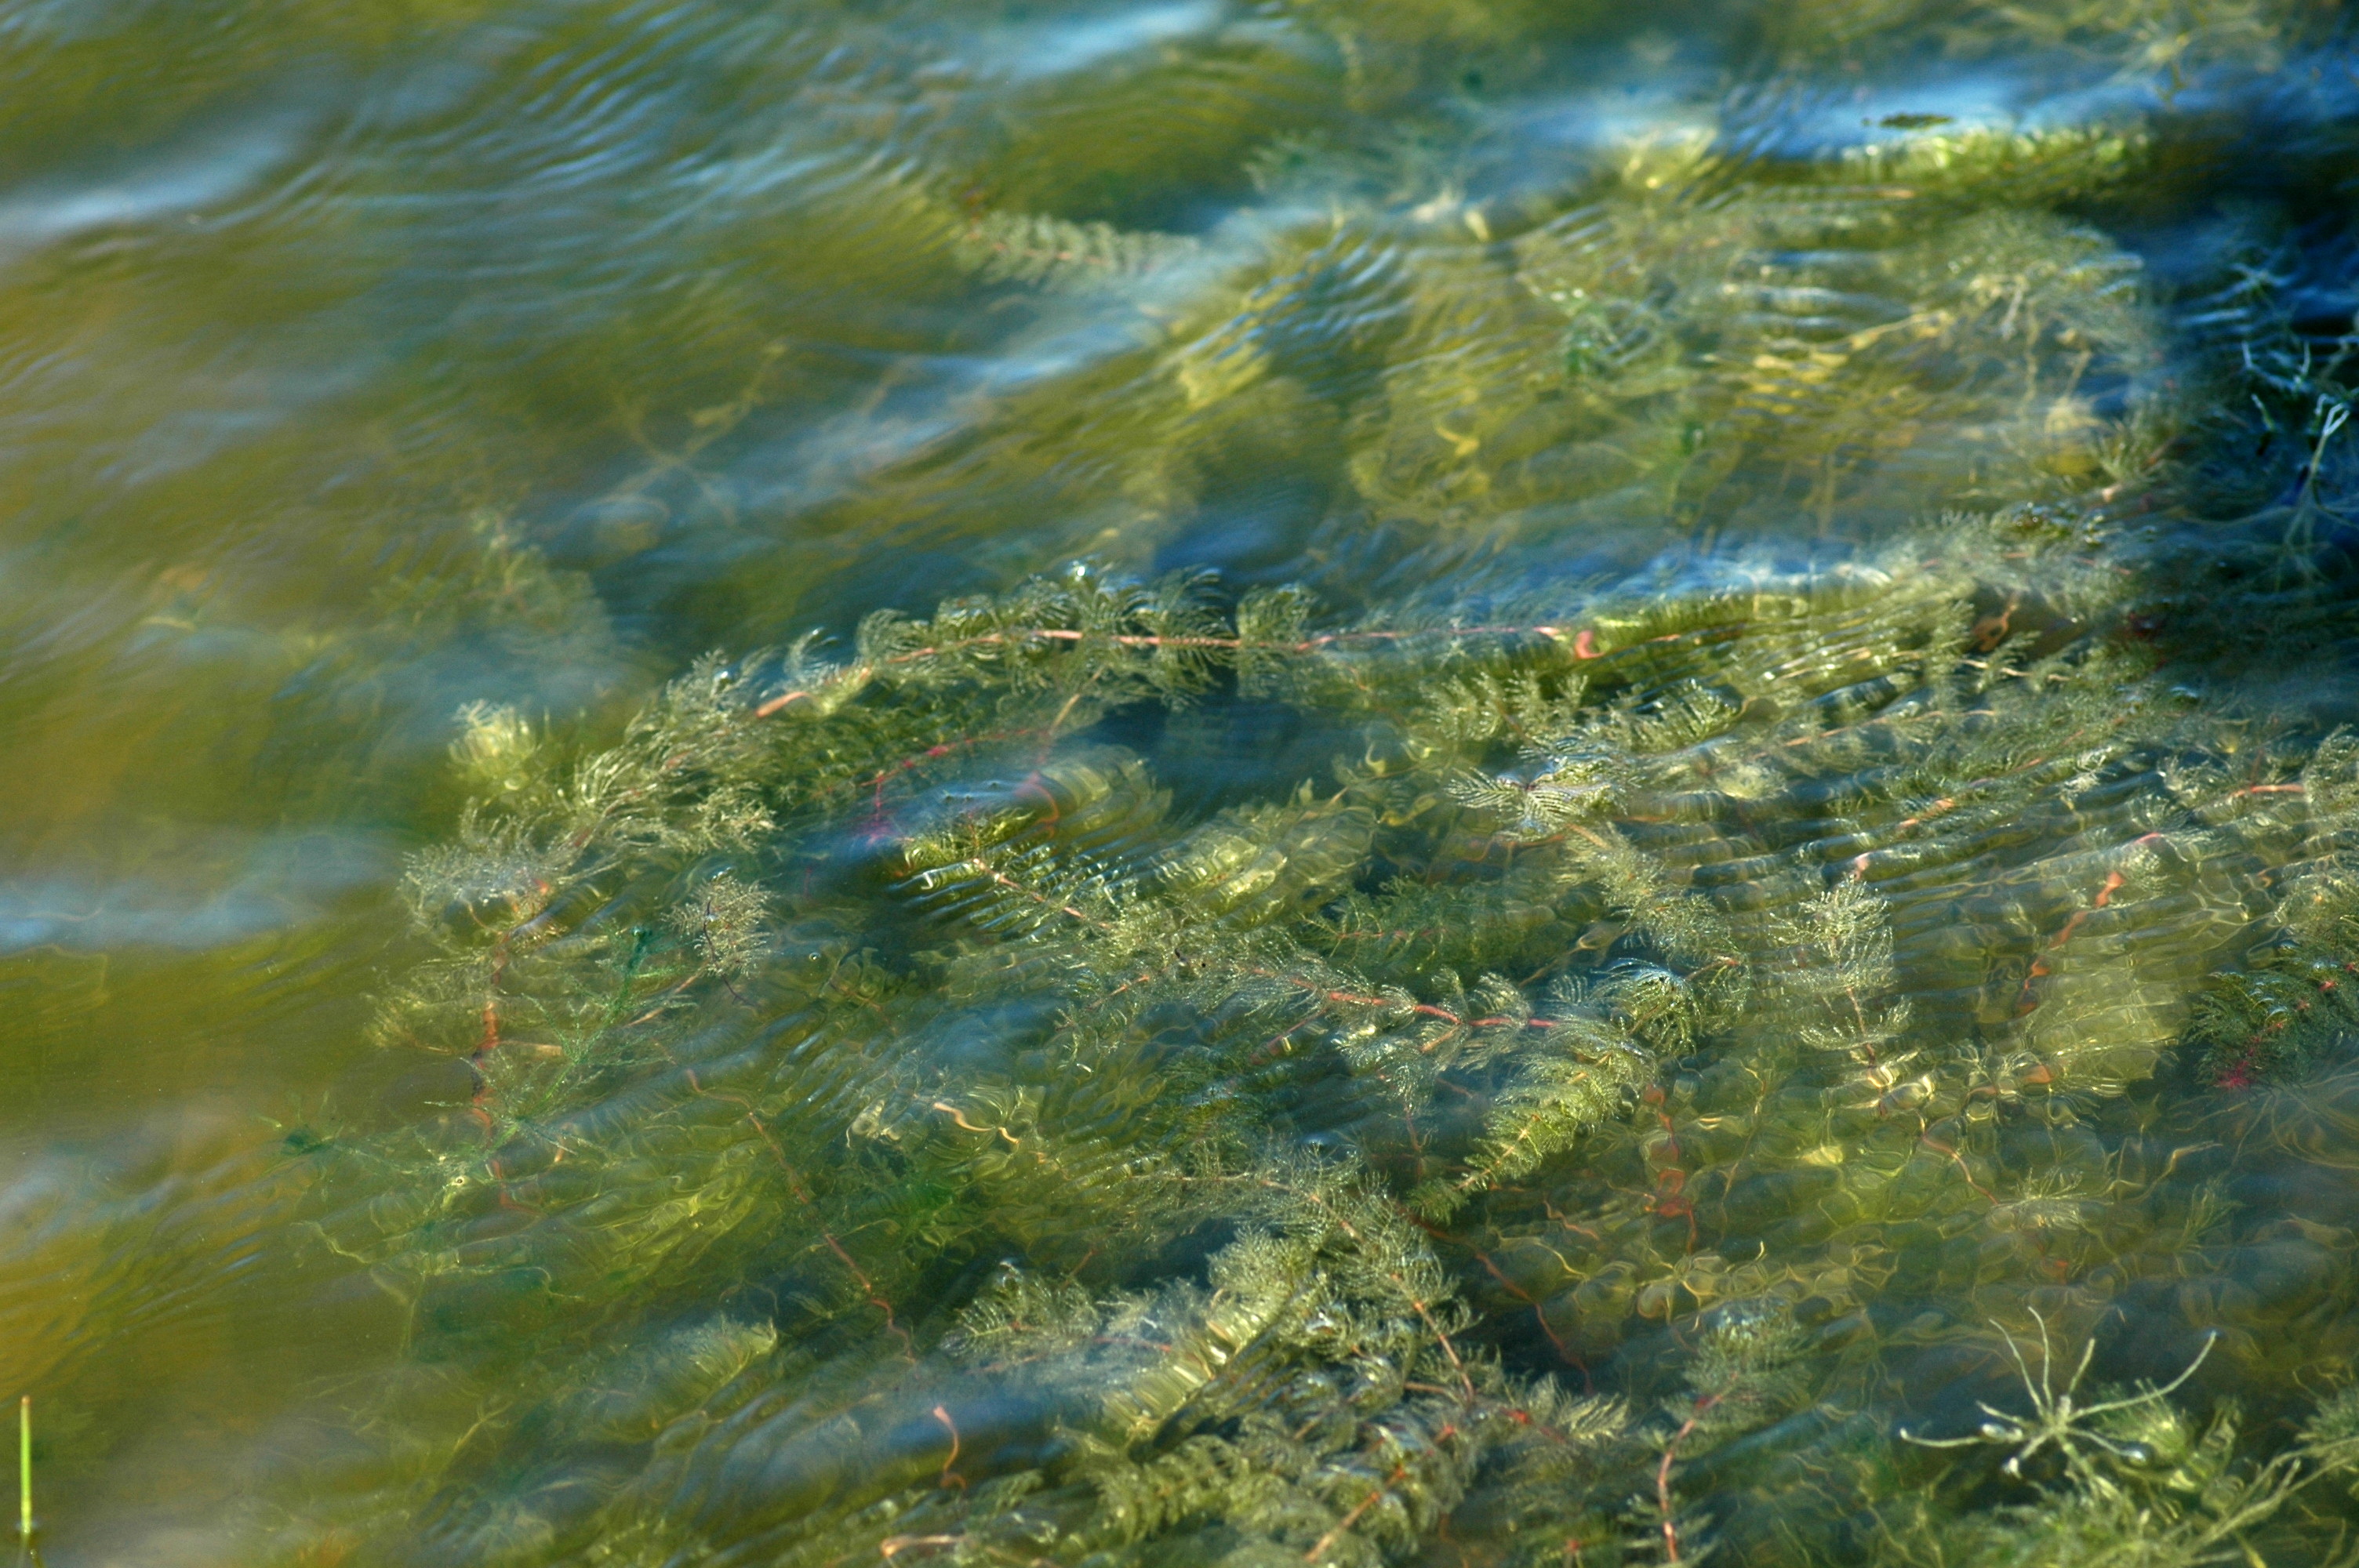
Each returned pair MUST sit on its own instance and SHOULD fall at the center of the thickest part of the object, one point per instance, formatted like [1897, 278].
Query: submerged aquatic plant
[2134, 1481]
[1596, 1055]
[2059, 1420]
[893, 1127]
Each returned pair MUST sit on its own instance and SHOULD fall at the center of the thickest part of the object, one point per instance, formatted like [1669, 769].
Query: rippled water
[1730, 808]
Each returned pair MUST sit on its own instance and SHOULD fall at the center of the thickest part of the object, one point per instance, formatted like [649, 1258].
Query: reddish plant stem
[1539, 1314]
[478, 1102]
[1663, 1478]
[1344, 1524]
[1465, 1382]
[1930, 1141]
[949, 1477]
[1422, 1009]
[2026, 1001]
[802, 1195]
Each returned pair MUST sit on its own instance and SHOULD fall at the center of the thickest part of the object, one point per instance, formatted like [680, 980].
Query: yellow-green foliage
[1789, 992]
[1725, 971]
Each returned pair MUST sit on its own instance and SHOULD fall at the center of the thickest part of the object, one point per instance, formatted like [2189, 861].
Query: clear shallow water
[362, 362]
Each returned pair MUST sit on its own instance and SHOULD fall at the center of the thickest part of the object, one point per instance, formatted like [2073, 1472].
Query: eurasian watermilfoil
[1675, 1061]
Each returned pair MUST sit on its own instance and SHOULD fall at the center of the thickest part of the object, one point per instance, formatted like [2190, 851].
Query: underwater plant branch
[1001, 879]
[2057, 1419]
[1416, 1008]
[802, 1193]
[2335, 415]
[875, 784]
[959, 1121]
[1153, 1001]
[1583, 643]
[1663, 1503]
[2040, 967]
[1508, 1286]
[1343, 1526]
[663, 999]
[1950, 1152]
[1441, 1335]
[950, 1475]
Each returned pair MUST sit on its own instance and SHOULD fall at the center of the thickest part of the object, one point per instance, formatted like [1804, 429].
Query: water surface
[1632, 763]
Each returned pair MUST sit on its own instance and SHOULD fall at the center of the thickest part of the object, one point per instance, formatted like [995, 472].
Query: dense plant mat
[1835, 1043]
